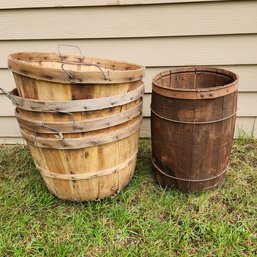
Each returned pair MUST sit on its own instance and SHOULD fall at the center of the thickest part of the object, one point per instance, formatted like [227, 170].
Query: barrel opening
[195, 79]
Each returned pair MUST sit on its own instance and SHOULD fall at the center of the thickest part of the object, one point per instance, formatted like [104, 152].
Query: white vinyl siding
[159, 34]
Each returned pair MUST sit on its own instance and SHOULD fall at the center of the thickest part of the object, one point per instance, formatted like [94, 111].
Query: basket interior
[73, 63]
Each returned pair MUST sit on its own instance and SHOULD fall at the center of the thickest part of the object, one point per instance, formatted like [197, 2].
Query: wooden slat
[17, 4]
[247, 74]
[78, 105]
[213, 18]
[177, 51]
[88, 175]
[247, 105]
[10, 133]
[79, 126]
[244, 125]
[81, 142]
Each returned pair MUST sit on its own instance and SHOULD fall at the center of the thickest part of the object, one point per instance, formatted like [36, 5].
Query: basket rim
[23, 63]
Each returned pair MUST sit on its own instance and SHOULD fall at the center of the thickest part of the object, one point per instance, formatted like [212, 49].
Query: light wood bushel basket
[80, 117]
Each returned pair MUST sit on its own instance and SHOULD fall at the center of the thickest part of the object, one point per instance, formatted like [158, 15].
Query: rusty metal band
[186, 179]
[194, 94]
[79, 126]
[78, 143]
[77, 105]
[89, 175]
[193, 122]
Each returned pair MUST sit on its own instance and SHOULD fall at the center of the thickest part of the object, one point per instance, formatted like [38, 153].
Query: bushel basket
[80, 118]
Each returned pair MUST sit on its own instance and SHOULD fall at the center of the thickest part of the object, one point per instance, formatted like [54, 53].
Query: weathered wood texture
[90, 160]
[86, 166]
[93, 171]
[74, 124]
[192, 138]
[69, 69]
[244, 126]
[10, 132]
[247, 74]
[89, 151]
[247, 105]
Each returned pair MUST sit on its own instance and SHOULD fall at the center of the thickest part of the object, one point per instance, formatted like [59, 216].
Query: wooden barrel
[193, 113]
[83, 137]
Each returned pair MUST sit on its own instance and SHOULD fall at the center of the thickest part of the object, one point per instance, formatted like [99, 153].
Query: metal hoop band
[90, 175]
[192, 122]
[81, 142]
[78, 126]
[77, 105]
[187, 180]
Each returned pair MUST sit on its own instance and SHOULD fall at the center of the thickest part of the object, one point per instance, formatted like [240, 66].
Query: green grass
[143, 220]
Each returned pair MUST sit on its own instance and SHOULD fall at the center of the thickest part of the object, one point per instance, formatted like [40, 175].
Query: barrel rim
[21, 63]
[194, 69]
[197, 93]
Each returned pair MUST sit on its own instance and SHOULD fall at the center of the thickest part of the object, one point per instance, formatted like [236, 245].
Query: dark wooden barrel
[193, 113]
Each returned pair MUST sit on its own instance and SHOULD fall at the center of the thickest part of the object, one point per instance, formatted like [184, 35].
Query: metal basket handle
[7, 94]
[84, 64]
[72, 77]
[64, 45]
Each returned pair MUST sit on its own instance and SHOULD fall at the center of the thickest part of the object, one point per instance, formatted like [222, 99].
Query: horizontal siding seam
[111, 3]
[2, 39]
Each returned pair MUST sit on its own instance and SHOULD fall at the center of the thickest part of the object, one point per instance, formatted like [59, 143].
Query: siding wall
[159, 34]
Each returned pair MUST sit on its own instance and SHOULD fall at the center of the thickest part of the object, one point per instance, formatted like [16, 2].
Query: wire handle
[7, 94]
[59, 133]
[69, 72]
[84, 64]
[64, 45]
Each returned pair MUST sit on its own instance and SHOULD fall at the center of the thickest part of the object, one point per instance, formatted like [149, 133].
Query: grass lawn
[143, 220]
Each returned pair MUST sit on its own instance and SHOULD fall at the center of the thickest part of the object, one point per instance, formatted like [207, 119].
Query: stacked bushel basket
[80, 117]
